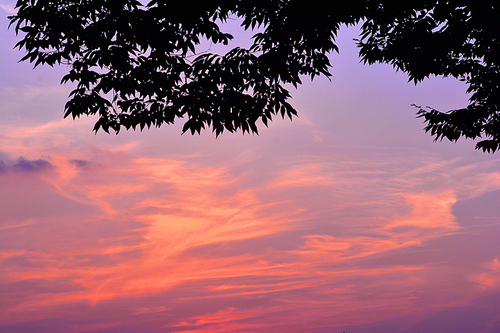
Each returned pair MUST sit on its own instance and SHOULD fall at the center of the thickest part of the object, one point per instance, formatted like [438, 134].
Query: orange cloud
[317, 242]
[429, 211]
[491, 278]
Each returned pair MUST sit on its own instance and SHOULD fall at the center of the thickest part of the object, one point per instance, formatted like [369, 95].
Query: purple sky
[346, 219]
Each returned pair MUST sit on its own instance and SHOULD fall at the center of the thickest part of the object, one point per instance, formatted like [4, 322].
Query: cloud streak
[164, 228]
[303, 228]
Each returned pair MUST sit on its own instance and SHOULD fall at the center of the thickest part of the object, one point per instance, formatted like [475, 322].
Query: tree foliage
[139, 65]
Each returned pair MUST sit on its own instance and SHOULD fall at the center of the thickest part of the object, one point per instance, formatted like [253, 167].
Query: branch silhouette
[142, 56]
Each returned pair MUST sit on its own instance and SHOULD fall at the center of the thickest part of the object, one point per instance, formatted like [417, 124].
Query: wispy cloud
[321, 240]
[283, 232]
[8, 9]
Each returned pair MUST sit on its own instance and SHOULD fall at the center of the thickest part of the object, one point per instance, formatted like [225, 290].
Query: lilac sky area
[347, 219]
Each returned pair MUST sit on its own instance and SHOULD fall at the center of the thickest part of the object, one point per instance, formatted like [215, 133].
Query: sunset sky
[347, 219]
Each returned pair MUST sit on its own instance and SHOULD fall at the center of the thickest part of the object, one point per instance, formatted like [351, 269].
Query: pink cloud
[284, 232]
[146, 227]
[491, 278]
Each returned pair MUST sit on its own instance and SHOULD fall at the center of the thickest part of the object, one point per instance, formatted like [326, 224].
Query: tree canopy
[138, 65]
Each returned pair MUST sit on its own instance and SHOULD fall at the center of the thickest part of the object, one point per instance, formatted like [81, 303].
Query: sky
[347, 219]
